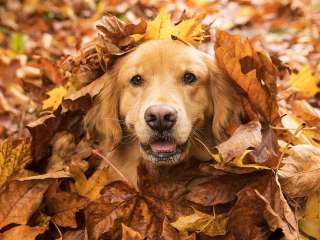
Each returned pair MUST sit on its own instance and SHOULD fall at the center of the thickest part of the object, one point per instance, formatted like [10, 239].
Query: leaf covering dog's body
[158, 103]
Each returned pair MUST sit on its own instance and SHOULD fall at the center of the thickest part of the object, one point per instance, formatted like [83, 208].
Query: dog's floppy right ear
[102, 120]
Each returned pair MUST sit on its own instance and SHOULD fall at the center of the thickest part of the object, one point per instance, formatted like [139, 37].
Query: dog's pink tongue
[163, 147]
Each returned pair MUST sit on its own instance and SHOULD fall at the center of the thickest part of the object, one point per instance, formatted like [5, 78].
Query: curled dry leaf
[248, 142]
[310, 222]
[300, 174]
[75, 235]
[210, 225]
[252, 71]
[22, 232]
[19, 200]
[244, 137]
[13, 157]
[304, 111]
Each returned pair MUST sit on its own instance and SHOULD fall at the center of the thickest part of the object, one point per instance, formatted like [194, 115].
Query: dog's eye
[136, 80]
[189, 78]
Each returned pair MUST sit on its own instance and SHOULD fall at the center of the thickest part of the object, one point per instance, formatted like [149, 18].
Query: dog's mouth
[163, 150]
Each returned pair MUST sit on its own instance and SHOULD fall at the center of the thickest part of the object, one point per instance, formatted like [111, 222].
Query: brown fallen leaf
[244, 137]
[63, 206]
[303, 110]
[170, 233]
[210, 225]
[252, 71]
[300, 174]
[13, 157]
[22, 232]
[261, 212]
[83, 98]
[19, 200]
[92, 186]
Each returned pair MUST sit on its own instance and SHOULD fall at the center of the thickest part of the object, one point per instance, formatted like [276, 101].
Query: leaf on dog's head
[55, 98]
[188, 30]
[252, 71]
[209, 225]
[305, 82]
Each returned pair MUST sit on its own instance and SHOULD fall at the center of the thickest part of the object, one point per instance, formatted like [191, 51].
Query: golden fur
[204, 107]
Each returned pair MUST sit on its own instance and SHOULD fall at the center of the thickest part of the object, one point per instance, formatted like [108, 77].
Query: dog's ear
[227, 109]
[102, 120]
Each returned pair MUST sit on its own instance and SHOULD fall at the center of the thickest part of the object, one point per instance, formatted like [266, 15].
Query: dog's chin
[163, 152]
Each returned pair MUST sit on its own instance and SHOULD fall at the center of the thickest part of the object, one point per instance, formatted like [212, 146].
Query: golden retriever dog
[161, 104]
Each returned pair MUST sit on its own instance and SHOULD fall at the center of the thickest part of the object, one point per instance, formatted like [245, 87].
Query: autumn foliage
[262, 181]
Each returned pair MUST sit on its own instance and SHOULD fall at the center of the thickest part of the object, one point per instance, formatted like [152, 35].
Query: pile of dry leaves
[262, 183]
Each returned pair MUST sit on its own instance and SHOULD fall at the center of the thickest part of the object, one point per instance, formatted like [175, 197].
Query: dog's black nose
[160, 117]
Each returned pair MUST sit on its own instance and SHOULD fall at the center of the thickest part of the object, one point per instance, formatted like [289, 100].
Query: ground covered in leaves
[262, 182]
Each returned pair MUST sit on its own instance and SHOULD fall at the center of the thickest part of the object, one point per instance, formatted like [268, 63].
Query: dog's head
[165, 94]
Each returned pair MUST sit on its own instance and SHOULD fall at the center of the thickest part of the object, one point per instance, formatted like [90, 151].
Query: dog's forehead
[167, 50]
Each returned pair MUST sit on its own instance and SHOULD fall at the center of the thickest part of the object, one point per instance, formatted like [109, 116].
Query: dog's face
[163, 93]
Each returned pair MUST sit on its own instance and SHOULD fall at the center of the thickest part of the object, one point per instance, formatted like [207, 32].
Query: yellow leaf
[129, 233]
[13, 158]
[305, 82]
[161, 27]
[238, 162]
[55, 98]
[210, 225]
[310, 223]
[304, 136]
[91, 187]
[190, 30]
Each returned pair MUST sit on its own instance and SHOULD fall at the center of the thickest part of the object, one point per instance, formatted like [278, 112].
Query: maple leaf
[55, 98]
[189, 30]
[13, 158]
[305, 82]
[310, 222]
[91, 187]
[210, 225]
